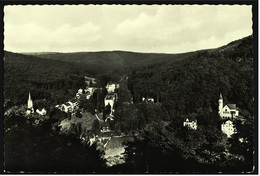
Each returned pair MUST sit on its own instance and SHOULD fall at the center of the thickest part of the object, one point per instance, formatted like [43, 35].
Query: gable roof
[232, 106]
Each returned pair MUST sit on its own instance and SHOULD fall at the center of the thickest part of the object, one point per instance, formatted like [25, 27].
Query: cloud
[32, 37]
[143, 28]
[174, 27]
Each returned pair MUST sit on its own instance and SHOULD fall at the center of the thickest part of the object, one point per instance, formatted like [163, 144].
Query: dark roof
[232, 106]
[73, 100]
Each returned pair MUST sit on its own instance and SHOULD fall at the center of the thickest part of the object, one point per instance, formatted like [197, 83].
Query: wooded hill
[114, 60]
[193, 85]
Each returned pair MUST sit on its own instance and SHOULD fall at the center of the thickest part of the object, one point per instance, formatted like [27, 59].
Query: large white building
[110, 100]
[228, 128]
[227, 111]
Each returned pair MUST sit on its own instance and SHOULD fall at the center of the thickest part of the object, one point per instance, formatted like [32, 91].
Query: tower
[220, 104]
[30, 102]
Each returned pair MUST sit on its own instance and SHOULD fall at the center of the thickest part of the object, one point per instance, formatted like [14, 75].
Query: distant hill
[114, 60]
[124, 61]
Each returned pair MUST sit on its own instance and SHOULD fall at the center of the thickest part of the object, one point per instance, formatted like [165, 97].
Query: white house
[228, 128]
[149, 99]
[69, 106]
[110, 100]
[190, 124]
[42, 111]
[112, 86]
[227, 111]
[89, 91]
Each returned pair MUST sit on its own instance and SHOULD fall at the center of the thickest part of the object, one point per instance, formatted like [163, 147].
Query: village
[95, 128]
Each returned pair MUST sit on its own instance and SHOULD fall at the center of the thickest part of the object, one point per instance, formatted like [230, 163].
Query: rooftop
[232, 106]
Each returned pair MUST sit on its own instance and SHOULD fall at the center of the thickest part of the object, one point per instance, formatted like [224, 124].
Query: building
[110, 100]
[190, 124]
[42, 111]
[111, 87]
[79, 93]
[30, 109]
[149, 99]
[89, 80]
[228, 128]
[69, 106]
[228, 111]
[89, 91]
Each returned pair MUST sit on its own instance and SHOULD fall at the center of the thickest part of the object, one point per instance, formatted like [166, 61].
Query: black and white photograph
[130, 89]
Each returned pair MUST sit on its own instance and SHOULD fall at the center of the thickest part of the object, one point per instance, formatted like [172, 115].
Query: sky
[139, 28]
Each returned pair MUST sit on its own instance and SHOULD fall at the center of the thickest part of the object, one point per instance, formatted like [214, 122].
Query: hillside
[114, 60]
[46, 79]
[193, 85]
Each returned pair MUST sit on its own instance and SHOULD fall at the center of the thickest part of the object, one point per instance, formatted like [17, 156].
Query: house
[30, 109]
[89, 92]
[110, 100]
[149, 99]
[42, 111]
[70, 106]
[73, 104]
[190, 124]
[79, 93]
[89, 80]
[111, 86]
[228, 111]
[228, 128]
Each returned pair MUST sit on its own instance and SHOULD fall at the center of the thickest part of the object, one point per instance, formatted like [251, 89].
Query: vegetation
[183, 86]
[41, 149]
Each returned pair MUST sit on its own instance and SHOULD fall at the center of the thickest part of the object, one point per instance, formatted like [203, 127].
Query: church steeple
[29, 96]
[220, 104]
[30, 102]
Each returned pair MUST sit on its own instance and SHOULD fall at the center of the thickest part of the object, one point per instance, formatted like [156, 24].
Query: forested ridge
[115, 60]
[193, 85]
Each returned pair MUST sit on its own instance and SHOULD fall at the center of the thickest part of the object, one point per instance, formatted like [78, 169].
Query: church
[227, 111]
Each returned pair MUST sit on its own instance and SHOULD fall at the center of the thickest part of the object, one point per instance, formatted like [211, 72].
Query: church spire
[220, 97]
[29, 99]
[30, 102]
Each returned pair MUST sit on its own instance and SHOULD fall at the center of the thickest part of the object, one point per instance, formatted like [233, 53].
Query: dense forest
[183, 86]
[52, 80]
